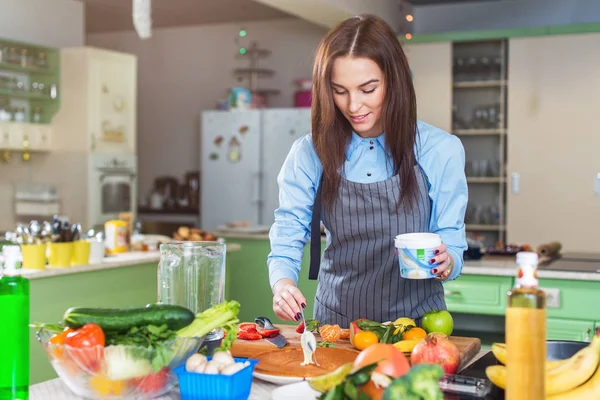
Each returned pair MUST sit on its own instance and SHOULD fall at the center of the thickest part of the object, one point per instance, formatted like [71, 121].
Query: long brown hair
[364, 36]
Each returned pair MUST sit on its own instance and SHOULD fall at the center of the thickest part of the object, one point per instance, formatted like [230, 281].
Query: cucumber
[121, 320]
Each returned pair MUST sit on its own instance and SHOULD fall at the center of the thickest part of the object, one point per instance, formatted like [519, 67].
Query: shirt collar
[357, 140]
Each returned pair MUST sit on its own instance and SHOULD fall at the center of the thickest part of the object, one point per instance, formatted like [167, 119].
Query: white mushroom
[233, 368]
[196, 363]
[222, 360]
[211, 369]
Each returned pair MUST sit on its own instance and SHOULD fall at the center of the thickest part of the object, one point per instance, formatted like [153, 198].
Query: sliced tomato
[248, 327]
[58, 341]
[268, 332]
[248, 335]
[300, 327]
[152, 383]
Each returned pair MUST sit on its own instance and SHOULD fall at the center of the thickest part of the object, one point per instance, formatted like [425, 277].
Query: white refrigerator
[241, 155]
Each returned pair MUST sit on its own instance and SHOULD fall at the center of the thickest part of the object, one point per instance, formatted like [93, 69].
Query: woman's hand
[446, 263]
[288, 300]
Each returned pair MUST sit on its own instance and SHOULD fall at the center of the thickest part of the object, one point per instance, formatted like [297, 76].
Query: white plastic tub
[415, 250]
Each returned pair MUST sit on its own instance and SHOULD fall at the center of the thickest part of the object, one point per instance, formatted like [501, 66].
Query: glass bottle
[14, 335]
[526, 333]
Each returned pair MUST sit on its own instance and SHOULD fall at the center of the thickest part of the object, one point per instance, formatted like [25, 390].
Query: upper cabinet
[553, 140]
[99, 111]
[431, 66]
[29, 97]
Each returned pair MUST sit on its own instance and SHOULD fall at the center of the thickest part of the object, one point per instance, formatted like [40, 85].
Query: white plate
[278, 380]
[295, 391]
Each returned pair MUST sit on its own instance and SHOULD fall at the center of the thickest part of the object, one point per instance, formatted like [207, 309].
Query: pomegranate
[436, 349]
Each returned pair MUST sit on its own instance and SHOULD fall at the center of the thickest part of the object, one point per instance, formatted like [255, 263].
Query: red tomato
[391, 362]
[152, 383]
[85, 342]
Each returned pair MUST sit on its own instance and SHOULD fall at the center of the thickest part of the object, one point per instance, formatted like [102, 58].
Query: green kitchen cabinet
[478, 294]
[568, 329]
[247, 280]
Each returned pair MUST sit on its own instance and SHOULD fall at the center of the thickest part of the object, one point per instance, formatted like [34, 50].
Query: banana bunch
[577, 377]
[407, 346]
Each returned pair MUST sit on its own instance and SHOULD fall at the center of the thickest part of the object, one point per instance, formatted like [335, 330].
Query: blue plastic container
[197, 386]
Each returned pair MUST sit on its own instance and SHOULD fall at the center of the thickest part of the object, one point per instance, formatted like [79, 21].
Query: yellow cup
[81, 253]
[60, 254]
[34, 256]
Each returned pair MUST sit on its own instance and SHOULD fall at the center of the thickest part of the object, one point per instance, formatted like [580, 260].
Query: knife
[278, 340]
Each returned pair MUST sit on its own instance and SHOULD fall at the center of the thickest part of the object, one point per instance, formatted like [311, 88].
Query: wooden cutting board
[468, 347]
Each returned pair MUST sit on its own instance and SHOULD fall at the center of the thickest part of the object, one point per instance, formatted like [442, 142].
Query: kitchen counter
[505, 266]
[490, 266]
[55, 389]
[116, 261]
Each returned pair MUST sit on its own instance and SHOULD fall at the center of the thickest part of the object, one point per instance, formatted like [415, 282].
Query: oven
[113, 187]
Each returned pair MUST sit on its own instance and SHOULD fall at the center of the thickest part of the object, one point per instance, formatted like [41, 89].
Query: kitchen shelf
[27, 70]
[479, 132]
[486, 179]
[479, 84]
[479, 92]
[25, 95]
[49, 76]
[485, 228]
[263, 72]
[267, 91]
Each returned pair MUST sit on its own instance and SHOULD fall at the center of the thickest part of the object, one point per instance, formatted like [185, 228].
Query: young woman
[370, 171]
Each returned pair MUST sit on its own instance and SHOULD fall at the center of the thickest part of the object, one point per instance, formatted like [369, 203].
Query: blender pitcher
[192, 275]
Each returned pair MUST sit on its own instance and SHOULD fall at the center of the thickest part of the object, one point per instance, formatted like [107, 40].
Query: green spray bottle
[14, 334]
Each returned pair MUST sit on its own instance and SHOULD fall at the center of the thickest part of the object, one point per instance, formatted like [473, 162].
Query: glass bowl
[118, 371]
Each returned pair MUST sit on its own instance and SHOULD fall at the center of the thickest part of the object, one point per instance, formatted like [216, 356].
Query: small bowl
[89, 373]
[563, 349]
[199, 386]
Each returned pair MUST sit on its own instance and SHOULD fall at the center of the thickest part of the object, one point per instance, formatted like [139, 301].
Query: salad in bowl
[130, 353]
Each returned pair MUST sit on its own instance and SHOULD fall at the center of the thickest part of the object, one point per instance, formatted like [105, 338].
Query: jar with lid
[5, 113]
[36, 116]
[25, 60]
[20, 85]
[41, 60]
[20, 114]
[13, 56]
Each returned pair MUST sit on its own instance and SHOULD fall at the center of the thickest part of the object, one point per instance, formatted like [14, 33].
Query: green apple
[438, 321]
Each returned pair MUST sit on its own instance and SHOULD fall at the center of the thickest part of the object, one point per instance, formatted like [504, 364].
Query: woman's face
[358, 91]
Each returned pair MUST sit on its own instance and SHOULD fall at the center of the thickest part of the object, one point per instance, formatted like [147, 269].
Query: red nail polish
[432, 261]
[303, 305]
[437, 252]
[434, 270]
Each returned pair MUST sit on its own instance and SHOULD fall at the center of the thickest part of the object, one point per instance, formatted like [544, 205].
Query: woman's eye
[338, 92]
[369, 91]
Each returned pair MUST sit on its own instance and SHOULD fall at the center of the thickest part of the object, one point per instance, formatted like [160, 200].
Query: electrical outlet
[552, 297]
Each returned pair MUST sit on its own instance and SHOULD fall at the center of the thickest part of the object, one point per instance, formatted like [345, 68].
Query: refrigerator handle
[256, 197]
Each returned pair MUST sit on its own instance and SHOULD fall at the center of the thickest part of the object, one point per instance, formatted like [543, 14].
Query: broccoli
[399, 389]
[424, 381]
[420, 383]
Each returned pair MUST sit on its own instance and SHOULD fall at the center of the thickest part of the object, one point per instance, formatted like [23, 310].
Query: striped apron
[359, 274]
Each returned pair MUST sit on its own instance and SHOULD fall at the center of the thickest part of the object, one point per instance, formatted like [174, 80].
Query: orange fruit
[414, 333]
[364, 339]
[330, 333]
[345, 334]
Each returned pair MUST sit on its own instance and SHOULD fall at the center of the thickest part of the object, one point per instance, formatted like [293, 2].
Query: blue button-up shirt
[440, 155]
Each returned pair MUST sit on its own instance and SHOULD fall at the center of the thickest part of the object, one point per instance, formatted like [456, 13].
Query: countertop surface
[55, 389]
[505, 266]
[116, 261]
